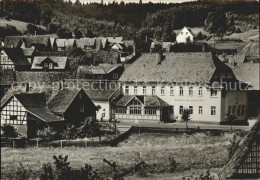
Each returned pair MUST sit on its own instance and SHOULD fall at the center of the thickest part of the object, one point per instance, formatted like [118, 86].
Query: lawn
[193, 154]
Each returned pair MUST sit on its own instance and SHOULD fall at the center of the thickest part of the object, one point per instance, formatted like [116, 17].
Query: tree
[157, 47]
[46, 17]
[47, 133]
[230, 118]
[166, 36]
[78, 34]
[64, 33]
[219, 23]
[8, 131]
[186, 116]
[31, 29]
[90, 34]
[53, 27]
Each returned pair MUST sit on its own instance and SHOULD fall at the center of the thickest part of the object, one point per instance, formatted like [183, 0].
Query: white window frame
[163, 90]
[135, 90]
[190, 91]
[181, 90]
[213, 93]
[191, 109]
[115, 76]
[213, 110]
[126, 90]
[171, 90]
[153, 90]
[200, 91]
[144, 90]
[200, 110]
[181, 108]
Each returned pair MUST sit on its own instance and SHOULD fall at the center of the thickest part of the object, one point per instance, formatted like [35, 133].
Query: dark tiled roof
[106, 57]
[175, 67]
[12, 41]
[100, 69]
[36, 105]
[248, 73]
[102, 91]
[17, 56]
[31, 40]
[148, 101]
[7, 76]
[28, 51]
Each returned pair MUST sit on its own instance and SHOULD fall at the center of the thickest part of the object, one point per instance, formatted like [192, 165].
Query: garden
[141, 156]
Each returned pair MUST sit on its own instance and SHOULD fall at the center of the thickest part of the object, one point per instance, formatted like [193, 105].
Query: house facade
[50, 63]
[187, 81]
[185, 35]
[27, 113]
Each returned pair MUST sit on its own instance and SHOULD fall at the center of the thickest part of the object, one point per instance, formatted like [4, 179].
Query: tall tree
[186, 116]
[166, 37]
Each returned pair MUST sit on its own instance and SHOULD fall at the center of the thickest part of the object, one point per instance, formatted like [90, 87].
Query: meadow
[193, 153]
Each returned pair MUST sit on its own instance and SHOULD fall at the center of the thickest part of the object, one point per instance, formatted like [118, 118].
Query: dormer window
[82, 108]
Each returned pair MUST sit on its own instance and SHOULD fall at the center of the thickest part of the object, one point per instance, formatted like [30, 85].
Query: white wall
[183, 35]
[105, 108]
[206, 101]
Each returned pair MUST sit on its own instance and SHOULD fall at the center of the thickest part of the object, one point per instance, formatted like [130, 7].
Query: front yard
[194, 154]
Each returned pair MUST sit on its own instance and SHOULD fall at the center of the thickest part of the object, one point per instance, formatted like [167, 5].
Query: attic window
[82, 108]
[80, 96]
[50, 66]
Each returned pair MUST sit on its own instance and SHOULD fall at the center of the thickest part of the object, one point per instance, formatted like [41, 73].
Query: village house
[27, 113]
[15, 59]
[102, 71]
[249, 73]
[244, 164]
[102, 93]
[64, 44]
[72, 105]
[101, 43]
[182, 81]
[6, 81]
[29, 53]
[40, 42]
[185, 35]
[50, 63]
[86, 43]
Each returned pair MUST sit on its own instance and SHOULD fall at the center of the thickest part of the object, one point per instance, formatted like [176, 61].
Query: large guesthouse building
[163, 85]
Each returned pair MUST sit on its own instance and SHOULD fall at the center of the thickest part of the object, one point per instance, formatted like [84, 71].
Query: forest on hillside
[122, 19]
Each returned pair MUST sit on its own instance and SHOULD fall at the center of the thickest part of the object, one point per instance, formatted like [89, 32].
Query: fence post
[61, 144]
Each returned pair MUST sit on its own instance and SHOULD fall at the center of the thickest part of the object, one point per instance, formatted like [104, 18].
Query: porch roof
[147, 101]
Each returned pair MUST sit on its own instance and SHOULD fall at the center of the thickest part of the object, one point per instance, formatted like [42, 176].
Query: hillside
[20, 25]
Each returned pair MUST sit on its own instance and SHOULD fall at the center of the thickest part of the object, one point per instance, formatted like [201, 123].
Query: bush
[22, 173]
[8, 131]
[47, 133]
[47, 172]
[173, 164]
[234, 145]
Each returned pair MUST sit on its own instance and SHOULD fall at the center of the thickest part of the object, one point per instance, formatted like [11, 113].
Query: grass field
[193, 153]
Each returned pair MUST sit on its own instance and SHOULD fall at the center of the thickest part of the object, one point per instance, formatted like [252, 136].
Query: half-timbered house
[27, 113]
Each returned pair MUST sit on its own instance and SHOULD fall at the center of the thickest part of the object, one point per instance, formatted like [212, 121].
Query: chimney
[160, 57]
[35, 34]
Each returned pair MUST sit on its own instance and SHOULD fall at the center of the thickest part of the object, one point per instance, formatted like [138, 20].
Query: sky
[136, 1]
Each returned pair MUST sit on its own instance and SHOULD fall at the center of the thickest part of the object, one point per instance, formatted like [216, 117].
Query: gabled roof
[248, 73]
[100, 69]
[147, 101]
[40, 40]
[17, 56]
[175, 67]
[234, 164]
[61, 61]
[189, 29]
[65, 42]
[82, 42]
[12, 41]
[28, 51]
[36, 105]
[102, 91]
[7, 77]
[101, 42]
[61, 101]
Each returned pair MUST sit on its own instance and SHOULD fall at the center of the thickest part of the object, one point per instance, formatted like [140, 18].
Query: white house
[180, 81]
[185, 35]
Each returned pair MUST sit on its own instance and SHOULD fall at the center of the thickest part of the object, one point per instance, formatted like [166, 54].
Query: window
[162, 90]
[213, 110]
[115, 76]
[50, 66]
[191, 91]
[200, 91]
[100, 76]
[213, 93]
[82, 108]
[150, 111]
[171, 90]
[229, 109]
[46, 65]
[135, 107]
[127, 90]
[135, 90]
[144, 90]
[243, 109]
[120, 110]
[80, 95]
[233, 109]
[239, 110]
[153, 90]
[191, 109]
[200, 110]
[12, 117]
[181, 91]
[181, 109]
